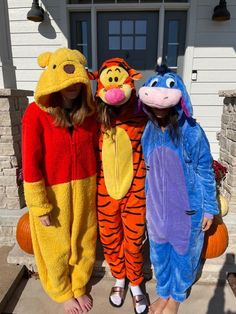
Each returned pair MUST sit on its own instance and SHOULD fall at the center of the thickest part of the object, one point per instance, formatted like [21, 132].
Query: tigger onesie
[59, 169]
[121, 198]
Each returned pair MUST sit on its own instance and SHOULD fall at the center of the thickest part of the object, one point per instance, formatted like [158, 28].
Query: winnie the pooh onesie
[59, 169]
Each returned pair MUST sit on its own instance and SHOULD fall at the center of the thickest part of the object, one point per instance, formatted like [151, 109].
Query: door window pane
[79, 1]
[172, 54]
[173, 32]
[127, 27]
[174, 39]
[140, 27]
[103, 1]
[114, 27]
[80, 30]
[82, 37]
[125, 1]
[114, 43]
[127, 42]
[140, 42]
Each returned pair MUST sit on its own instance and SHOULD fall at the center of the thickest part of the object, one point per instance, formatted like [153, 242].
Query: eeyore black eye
[154, 82]
[170, 82]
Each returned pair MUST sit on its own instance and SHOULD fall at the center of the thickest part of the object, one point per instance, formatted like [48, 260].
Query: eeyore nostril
[146, 94]
[69, 68]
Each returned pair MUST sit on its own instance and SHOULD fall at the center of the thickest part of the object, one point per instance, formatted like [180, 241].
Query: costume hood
[115, 81]
[166, 89]
[63, 68]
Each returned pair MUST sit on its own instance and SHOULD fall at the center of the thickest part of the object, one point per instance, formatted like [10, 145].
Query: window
[127, 34]
[174, 38]
[123, 1]
[80, 30]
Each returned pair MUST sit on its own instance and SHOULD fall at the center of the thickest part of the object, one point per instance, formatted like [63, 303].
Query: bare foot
[158, 306]
[72, 307]
[85, 303]
[171, 307]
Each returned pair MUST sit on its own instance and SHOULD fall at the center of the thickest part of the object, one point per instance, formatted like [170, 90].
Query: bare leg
[72, 306]
[172, 307]
[158, 306]
[85, 303]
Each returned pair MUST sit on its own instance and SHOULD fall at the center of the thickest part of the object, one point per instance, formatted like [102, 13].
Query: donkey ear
[93, 75]
[184, 107]
[135, 75]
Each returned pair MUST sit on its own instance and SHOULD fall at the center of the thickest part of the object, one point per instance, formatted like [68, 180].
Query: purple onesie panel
[167, 200]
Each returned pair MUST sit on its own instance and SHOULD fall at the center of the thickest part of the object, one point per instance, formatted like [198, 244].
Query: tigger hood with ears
[64, 67]
[115, 81]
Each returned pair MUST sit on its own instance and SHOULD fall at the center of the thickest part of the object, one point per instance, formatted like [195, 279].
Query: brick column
[12, 106]
[227, 138]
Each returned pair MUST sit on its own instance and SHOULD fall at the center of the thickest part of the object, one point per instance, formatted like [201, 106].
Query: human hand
[45, 220]
[206, 223]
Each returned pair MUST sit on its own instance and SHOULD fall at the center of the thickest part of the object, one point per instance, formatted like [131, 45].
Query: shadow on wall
[46, 29]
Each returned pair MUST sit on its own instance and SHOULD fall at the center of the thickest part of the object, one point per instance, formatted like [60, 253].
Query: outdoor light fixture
[36, 13]
[220, 12]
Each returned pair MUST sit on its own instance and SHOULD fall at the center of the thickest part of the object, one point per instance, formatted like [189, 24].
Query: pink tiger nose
[114, 96]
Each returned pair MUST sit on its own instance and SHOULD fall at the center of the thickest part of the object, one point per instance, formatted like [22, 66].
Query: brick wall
[227, 140]
[12, 106]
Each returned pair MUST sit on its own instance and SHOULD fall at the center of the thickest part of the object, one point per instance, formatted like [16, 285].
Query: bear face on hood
[63, 68]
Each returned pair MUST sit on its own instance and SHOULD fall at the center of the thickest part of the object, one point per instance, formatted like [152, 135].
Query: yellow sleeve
[36, 198]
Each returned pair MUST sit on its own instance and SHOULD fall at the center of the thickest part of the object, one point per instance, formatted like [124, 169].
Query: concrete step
[213, 270]
[210, 299]
[10, 276]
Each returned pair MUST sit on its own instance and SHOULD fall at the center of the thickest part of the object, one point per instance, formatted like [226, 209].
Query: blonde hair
[80, 110]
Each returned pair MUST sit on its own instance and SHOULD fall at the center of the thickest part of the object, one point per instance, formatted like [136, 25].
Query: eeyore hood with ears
[166, 89]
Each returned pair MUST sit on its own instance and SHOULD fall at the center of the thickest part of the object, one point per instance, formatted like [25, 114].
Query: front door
[132, 36]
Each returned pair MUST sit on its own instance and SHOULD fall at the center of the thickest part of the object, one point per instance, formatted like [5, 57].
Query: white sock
[120, 283]
[115, 298]
[137, 291]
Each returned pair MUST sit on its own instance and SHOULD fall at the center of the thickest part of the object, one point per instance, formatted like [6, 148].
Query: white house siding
[214, 58]
[212, 46]
[29, 39]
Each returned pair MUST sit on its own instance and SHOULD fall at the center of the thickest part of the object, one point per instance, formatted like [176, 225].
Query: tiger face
[115, 81]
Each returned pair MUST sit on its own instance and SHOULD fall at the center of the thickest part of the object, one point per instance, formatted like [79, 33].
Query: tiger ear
[93, 75]
[135, 75]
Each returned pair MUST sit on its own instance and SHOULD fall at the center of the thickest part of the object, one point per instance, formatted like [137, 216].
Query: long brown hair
[80, 109]
[107, 113]
[172, 122]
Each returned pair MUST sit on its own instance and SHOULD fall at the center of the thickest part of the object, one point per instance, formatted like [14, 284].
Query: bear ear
[81, 57]
[43, 59]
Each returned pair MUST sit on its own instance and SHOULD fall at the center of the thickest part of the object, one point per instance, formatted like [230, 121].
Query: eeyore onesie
[180, 187]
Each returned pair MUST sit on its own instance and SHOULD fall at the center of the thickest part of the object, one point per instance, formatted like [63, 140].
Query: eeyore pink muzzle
[159, 97]
[114, 96]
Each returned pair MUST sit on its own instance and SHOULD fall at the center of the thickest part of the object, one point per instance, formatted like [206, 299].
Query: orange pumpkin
[23, 235]
[216, 239]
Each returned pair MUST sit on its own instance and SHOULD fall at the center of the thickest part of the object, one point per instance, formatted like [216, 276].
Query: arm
[206, 175]
[34, 187]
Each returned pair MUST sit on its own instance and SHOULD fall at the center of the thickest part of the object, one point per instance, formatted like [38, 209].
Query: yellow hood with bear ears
[64, 67]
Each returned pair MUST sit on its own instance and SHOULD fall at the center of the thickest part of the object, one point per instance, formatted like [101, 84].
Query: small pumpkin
[23, 234]
[216, 239]
[223, 205]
